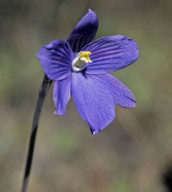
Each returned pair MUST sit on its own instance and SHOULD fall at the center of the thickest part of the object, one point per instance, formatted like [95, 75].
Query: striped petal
[84, 32]
[56, 59]
[111, 54]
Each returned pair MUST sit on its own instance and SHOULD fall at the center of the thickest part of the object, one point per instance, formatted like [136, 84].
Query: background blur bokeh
[130, 155]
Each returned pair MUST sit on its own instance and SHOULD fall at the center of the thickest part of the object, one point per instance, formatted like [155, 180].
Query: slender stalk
[42, 94]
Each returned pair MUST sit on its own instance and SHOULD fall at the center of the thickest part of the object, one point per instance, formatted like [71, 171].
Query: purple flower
[80, 67]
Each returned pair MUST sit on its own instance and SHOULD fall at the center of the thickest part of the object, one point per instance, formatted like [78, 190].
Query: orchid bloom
[80, 68]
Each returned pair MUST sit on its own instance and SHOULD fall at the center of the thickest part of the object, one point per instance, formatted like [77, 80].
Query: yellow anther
[81, 61]
[84, 56]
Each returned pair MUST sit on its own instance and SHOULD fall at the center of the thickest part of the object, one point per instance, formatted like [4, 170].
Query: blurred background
[135, 151]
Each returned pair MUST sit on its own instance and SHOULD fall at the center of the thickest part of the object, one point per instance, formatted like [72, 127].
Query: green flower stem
[42, 94]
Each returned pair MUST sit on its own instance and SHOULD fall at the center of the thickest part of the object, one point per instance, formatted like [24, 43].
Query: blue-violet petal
[121, 94]
[93, 100]
[111, 54]
[84, 32]
[61, 95]
[56, 59]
